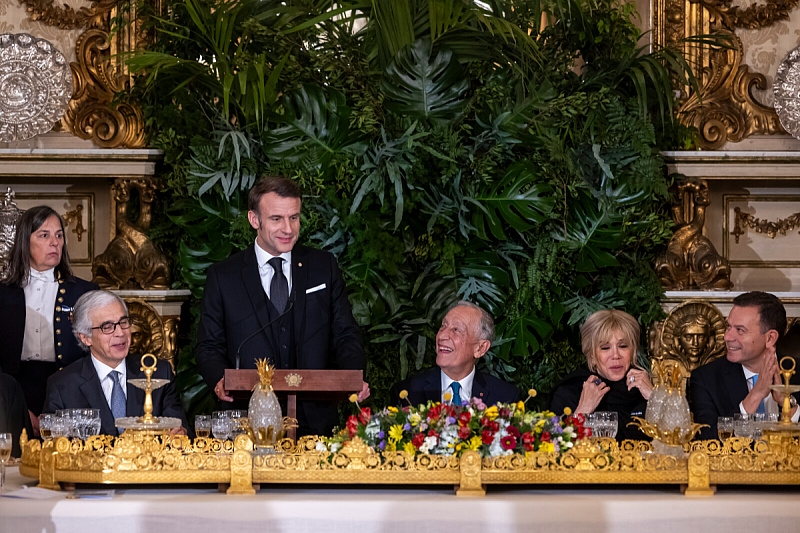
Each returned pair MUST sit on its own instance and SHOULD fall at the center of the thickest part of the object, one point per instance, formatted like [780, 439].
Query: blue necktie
[118, 408]
[279, 286]
[761, 409]
[456, 386]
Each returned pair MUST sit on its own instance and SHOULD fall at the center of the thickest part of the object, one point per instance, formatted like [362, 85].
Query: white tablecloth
[300, 509]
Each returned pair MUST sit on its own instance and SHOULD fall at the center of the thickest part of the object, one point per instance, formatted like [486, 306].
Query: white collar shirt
[106, 381]
[41, 291]
[466, 386]
[265, 270]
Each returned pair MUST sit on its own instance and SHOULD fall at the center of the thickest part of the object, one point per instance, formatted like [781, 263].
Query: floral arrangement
[439, 428]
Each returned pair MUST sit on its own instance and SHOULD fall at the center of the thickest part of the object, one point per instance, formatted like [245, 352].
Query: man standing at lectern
[280, 301]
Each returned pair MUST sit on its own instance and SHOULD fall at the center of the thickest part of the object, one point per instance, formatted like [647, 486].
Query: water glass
[202, 426]
[89, 423]
[5, 454]
[743, 425]
[220, 424]
[606, 424]
[238, 419]
[725, 427]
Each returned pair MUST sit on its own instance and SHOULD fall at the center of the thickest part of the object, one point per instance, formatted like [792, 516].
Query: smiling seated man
[740, 382]
[103, 328]
[465, 336]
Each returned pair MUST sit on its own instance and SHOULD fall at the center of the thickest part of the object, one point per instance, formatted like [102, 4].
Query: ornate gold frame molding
[98, 73]
[725, 109]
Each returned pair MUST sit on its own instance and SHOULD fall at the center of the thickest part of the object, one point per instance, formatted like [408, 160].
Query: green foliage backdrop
[448, 149]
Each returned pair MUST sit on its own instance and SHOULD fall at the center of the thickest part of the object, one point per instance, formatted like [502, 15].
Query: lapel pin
[299, 264]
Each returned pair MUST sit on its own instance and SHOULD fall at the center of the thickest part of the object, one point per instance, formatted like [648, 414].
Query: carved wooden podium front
[330, 385]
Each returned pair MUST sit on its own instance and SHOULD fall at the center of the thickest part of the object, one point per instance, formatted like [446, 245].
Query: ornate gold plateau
[725, 109]
[159, 458]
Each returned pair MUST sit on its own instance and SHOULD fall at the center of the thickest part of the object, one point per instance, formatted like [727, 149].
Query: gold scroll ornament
[725, 109]
[691, 261]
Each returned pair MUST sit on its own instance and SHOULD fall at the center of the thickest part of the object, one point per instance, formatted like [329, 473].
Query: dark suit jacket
[427, 386]
[12, 318]
[716, 389]
[13, 412]
[77, 386]
[235, 307]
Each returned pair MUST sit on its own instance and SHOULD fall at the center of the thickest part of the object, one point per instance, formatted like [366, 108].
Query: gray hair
[486, 324]
[88, 302]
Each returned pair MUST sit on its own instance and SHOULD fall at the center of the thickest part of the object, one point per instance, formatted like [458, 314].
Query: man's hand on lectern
[364, 394]
[222, 394]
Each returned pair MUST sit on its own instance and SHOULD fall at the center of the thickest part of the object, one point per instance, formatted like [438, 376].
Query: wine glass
[725, 427]
[202, 426]
[5, 454]
[46, 421]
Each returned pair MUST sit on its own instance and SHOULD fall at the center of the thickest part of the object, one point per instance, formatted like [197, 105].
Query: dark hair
[771, 313]
[19, 267]
[283, 187]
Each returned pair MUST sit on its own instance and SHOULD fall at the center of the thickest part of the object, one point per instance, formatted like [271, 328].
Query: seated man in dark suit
[740, 382]
[13, 412]
[465, 336]
[102, 326]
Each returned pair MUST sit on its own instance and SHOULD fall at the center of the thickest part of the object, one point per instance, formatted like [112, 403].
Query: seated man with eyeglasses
[102, 326]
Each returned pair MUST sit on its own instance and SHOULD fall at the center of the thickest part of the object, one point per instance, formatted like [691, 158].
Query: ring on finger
[632, 379]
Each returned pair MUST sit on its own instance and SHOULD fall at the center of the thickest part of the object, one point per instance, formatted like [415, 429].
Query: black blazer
[427, 386]
[716, 389]
[12, 318]
[77, 386]
[13, 412]
[234, 307]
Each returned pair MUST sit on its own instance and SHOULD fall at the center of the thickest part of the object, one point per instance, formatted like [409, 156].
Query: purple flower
[423, 426]
[554, 420]
[381, 434]
[407, 427]
[451, 420]
[558, 430]
[382, 444]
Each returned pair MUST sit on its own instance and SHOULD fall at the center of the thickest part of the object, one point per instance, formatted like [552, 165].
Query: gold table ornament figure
[786, 390]
[148, 422]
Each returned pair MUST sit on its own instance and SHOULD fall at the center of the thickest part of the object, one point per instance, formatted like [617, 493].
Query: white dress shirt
[38, 344]
[106, 381]
[466, 387]
[266, 271]
[770, 405]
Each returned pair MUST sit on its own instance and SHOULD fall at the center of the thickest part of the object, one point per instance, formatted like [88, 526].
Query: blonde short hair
[601, 326]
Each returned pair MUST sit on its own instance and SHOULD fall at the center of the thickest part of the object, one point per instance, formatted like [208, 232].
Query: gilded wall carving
[735, 84]
[82, 31]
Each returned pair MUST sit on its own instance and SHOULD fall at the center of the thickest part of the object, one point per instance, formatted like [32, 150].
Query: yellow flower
[447, 396]
[521, 407]
[547, 447]
[491, 412]
[474, 443]
[392, 409]
[532, 393]
[541, 423]
[458, 447]
[415, 419]
[353, 398]
[567, 411]
[391, 446]
[403, 394]
[396, 432]
[408, 447]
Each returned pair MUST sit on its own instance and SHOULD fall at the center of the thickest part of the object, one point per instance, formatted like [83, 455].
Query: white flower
[335, 447]
[427, 444]
[321, 447]
[373, 428]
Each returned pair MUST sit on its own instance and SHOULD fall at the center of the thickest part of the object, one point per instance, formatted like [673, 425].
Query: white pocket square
[315, 289]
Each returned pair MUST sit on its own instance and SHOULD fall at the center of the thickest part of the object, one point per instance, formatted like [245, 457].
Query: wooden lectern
[330, 385]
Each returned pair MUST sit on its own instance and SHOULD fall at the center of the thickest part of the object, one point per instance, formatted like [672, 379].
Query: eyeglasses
[110, 327]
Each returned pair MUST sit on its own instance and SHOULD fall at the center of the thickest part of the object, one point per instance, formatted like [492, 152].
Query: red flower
[464, 418]
[494, 427]
[528, 440]
[504, 412]
[352, 425]
[508, 442]
[463, 432]
[487, 437]
[432, 433]
[418, 439]
[365, 415]
[514, 432]
[546, 436]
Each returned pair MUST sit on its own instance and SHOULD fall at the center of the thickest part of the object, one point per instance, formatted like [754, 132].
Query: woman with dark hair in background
[36, 298]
